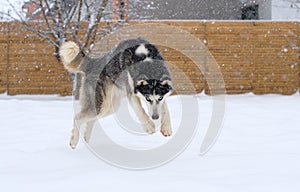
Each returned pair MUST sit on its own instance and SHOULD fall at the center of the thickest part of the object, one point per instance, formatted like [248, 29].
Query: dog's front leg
[147, 124]
[165, 129]
[89, 128]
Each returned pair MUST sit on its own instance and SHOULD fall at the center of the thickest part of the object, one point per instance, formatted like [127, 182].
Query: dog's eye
[148, 99]
[160, 98]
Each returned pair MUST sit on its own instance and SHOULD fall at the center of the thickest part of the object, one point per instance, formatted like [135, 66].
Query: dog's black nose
[155, 117]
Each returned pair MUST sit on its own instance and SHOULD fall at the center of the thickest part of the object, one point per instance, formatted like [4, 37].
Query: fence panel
[3, 56]
[33, 68]
[253, 56]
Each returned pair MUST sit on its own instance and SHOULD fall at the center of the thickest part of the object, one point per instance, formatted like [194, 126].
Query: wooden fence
[28, 64]
[253, 56]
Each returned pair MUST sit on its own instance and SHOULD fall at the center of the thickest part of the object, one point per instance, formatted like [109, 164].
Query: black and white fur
[136, 69]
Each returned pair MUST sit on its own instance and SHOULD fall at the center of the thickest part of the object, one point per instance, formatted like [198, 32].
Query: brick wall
[252, 56]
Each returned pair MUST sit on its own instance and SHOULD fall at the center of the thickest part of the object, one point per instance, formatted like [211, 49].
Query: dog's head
[153, 92]
[150, 77]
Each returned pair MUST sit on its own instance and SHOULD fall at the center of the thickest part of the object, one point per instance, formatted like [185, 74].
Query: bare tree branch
[63, 20]
[46, 20]
[71, 14]
[26, 25]
[92, 30]
[75, 32]
[49, 9]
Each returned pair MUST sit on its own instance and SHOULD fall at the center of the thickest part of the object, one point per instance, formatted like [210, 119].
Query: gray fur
[115, 74]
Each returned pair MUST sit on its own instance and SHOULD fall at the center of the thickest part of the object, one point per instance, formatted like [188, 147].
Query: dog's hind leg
[79, 119]
[74, 135]
[165, 129]
[147, 124]
[110, 104]
[108, 108]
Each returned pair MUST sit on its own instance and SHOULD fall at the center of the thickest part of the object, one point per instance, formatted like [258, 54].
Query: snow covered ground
[258, 149]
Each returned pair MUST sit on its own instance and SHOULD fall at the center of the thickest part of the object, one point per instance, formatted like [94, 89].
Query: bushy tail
[71, 56]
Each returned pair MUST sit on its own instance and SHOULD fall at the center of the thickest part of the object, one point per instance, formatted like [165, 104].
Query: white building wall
[285, 10]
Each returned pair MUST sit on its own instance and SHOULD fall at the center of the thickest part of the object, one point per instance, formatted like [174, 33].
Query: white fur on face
[155, 104]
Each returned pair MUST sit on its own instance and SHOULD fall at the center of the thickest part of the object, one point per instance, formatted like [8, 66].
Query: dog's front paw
[74, 138]
[73, 142]
[166, 132]
[87, 138]
[149, 127]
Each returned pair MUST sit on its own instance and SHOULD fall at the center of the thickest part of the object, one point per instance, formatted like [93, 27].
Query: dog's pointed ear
[166, 80]
[165, 77]
[139, 82]
[142, 82]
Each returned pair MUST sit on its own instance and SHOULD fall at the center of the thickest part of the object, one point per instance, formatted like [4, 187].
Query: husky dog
[136, 69]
